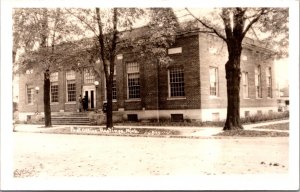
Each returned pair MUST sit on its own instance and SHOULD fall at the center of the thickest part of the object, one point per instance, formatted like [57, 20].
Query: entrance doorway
[90, 93]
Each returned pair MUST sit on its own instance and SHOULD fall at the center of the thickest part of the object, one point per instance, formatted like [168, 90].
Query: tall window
[269, 81]
[176, 82]
[258, 82]
[133, 77]
[114, 89]
[30, 94]
[71, 86]
[54, 87]
[89, 76]
[213, 79]
[245, 85]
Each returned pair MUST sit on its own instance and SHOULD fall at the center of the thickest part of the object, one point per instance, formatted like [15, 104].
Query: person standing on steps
[80, 103]
[85, 103]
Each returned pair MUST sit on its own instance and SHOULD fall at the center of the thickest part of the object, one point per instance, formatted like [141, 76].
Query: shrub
[189, 122]
[265, 117]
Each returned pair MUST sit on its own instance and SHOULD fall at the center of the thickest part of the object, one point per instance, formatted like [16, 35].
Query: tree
[37, 32]
[233, 26]
[111, 29]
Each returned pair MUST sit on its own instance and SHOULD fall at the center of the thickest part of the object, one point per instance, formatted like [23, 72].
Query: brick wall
[37, 80]
[254, 56]
[199, 52]
[189, 61]
[34, 79]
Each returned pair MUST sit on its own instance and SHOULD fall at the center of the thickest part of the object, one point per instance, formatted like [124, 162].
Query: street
[45, 155]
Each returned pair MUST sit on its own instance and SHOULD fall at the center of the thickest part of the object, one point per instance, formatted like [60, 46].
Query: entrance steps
[75, 118]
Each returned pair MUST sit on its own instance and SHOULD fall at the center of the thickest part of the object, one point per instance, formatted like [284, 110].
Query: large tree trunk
[47, 109]
[233, 78]
[109, 110]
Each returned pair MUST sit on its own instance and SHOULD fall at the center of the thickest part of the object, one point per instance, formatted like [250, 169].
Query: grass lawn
[253, 133]
[279, 126]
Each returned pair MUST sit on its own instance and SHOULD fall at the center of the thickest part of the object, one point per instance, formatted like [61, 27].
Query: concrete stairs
[71, 119]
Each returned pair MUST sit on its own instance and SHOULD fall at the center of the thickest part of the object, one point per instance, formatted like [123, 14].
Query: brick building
[192, 87]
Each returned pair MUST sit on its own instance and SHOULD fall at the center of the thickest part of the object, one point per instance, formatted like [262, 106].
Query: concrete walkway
[189, 131]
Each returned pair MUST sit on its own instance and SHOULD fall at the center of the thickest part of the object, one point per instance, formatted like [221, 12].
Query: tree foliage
[106, 32]
[268, 26]
[36, 32]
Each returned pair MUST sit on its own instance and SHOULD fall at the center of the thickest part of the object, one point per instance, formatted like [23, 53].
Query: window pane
[70, 75]
[30, 93]
[133, 85]
[54, 77]
[133, 80]
[54, 91]
[245, 85]
[258, 81]
[269, 81]
[71, 87]
[89, 76]
[176, 82]
[133, 67]
[213, 77]
[114, 90]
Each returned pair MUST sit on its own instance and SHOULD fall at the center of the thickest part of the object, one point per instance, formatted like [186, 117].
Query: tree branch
[207, 26]
[83, 21]
[101, 41]
[113, 42]
[263, 11]
[227, 24]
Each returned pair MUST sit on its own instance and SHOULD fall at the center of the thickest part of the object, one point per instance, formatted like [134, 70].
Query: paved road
[46, 155]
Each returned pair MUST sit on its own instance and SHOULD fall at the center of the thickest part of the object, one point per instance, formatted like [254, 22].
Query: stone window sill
[70, 103]
[176, 98]
[132, 100]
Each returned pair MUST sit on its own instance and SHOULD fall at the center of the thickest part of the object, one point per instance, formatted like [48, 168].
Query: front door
[89, 93]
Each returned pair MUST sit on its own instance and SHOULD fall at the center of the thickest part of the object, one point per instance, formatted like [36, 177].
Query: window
[269, 81]
[54, 92]
[215, 116]
[176, 83]
[71, 86]
[132, 117]
[213, 79]
[114, 89]
[259, 112]
[133, 80]
[89, 76]
[54, 87]
[247, 113]
[70, 75]
[258, 82]
[177, 117]
[245, 84]
[30, 94]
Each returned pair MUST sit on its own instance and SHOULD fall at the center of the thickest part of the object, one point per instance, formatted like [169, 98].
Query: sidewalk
[187, 131]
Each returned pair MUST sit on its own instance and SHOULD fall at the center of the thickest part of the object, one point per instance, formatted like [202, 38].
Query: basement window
[132, 117]
[177, 117]
[247, 113]
[215, 116]
[259, 112]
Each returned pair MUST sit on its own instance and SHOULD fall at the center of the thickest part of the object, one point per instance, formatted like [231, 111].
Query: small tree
[232, 25]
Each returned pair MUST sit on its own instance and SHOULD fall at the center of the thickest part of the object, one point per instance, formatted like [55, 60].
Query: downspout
[158, 95]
